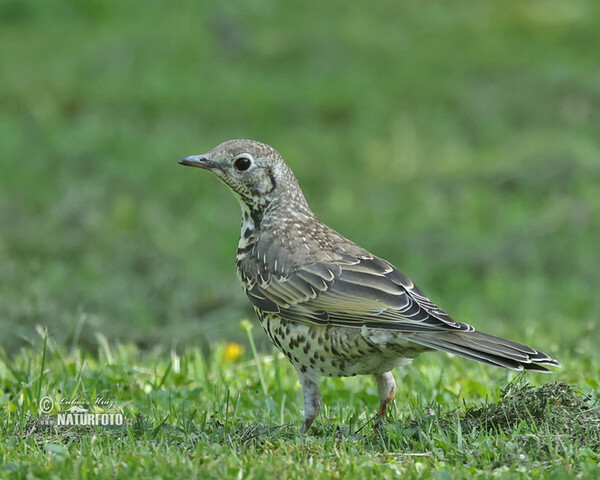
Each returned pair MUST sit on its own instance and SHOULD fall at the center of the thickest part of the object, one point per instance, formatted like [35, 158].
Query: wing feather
[352, 292]
[364, 291]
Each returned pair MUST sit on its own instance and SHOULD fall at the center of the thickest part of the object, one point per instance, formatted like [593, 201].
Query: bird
[333, 308]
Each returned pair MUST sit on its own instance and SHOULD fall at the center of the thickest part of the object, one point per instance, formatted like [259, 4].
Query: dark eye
[242, 163]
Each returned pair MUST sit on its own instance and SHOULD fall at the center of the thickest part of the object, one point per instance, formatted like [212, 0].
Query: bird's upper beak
[200, 161]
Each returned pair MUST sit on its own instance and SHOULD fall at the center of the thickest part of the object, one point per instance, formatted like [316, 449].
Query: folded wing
[366, 291]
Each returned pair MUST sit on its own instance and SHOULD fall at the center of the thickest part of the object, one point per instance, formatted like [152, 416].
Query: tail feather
[486, 348]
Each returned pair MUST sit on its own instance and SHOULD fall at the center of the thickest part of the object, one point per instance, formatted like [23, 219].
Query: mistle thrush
[330, 306]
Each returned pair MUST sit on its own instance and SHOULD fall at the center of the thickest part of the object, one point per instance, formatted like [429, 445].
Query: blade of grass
[247, 327]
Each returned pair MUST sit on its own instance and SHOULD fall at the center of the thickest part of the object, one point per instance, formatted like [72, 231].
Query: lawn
[224, 415]
[459, 140]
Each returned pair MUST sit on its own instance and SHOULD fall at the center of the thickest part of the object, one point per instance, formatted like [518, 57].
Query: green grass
[459, 140]
[193, 415]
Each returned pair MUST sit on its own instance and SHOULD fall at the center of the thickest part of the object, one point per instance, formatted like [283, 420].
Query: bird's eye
[242, 163]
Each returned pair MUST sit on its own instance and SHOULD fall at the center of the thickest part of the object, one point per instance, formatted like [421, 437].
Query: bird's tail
[486, 348]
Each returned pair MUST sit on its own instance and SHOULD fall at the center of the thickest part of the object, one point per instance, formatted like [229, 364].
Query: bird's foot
[307, 424]
[379, 424]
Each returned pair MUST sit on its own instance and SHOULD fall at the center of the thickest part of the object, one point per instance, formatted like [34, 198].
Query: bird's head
[254, 171]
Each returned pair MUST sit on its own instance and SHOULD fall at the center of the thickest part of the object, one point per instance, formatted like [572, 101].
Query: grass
[459, 140]
[193, 415]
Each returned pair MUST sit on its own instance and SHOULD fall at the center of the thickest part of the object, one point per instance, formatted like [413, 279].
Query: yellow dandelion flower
[232, 352]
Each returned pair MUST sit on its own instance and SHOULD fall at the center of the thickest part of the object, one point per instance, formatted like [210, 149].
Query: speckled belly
[338, 351]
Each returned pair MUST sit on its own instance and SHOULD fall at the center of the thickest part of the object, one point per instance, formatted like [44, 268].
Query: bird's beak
[200, 161]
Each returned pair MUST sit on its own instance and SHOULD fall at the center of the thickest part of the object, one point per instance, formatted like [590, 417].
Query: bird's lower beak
[200, 161]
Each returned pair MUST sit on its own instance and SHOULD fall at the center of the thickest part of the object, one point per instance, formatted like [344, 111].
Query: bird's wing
[361, 290]
[351, 291]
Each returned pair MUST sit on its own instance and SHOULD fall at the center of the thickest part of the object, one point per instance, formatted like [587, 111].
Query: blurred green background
[460, 140]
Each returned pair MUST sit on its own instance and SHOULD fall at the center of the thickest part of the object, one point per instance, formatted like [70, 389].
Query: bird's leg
[386, 385]
[312, 400]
